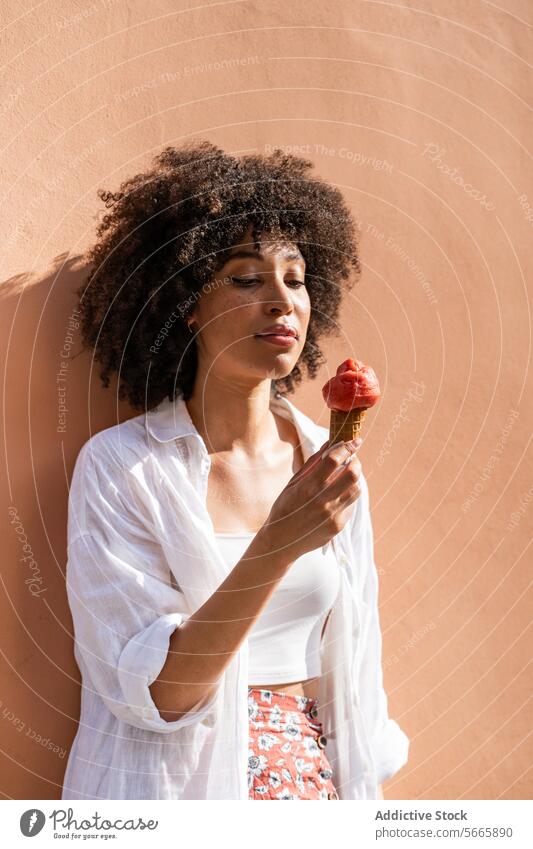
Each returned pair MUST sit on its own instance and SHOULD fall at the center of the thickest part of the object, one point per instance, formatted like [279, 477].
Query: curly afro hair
[169, 230]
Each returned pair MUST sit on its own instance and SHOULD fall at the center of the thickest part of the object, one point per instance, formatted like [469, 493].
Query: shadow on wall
[53, 402]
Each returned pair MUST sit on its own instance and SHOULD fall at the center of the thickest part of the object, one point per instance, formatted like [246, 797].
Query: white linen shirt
[142, 558]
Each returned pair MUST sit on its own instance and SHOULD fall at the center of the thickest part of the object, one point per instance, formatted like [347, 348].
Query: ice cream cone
[344, 425]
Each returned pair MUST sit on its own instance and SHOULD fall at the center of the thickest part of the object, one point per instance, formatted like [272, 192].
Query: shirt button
[333, 795]
[322, 740]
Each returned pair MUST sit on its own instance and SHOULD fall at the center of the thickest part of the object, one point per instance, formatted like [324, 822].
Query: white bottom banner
[164, 824]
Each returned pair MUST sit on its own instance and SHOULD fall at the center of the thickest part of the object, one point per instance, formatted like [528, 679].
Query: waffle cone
[345, 425]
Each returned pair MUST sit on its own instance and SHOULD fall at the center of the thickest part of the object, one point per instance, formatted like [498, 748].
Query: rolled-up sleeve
[388, 742]
[123, 605]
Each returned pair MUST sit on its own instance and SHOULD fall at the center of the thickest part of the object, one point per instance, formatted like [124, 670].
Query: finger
[344, 479]
[345, 505]
[349, 495]
[336, 449]
[309, 464]
[334, 457]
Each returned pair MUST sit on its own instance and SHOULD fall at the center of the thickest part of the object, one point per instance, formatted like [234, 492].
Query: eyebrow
[243, 254]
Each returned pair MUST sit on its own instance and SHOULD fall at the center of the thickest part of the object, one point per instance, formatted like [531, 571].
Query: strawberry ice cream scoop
[355, 386]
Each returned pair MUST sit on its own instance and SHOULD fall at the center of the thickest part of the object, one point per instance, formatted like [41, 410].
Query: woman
[225, 650]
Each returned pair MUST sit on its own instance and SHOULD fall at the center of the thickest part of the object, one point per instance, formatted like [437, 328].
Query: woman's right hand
[317, 501]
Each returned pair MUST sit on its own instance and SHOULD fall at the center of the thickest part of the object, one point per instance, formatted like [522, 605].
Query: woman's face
[251, 292]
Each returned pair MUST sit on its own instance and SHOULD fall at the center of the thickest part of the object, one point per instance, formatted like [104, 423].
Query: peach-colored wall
[418, 112]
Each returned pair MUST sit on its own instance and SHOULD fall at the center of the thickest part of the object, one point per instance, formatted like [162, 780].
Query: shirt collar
[171, 420]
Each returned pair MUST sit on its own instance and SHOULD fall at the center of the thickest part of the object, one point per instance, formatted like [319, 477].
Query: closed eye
[243, 281]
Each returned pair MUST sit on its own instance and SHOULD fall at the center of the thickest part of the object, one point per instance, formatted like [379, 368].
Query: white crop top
[284, 642]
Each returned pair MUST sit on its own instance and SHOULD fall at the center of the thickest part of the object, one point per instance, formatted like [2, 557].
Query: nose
[277, 295]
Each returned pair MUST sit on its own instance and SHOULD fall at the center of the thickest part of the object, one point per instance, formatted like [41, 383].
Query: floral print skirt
[286, 754]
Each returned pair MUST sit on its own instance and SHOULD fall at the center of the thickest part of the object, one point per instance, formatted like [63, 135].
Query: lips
[279, 330]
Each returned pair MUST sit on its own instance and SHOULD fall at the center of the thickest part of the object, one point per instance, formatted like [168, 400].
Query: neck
[232, 417]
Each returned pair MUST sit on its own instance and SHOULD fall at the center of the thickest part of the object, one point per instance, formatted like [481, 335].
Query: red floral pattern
[286, 757]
